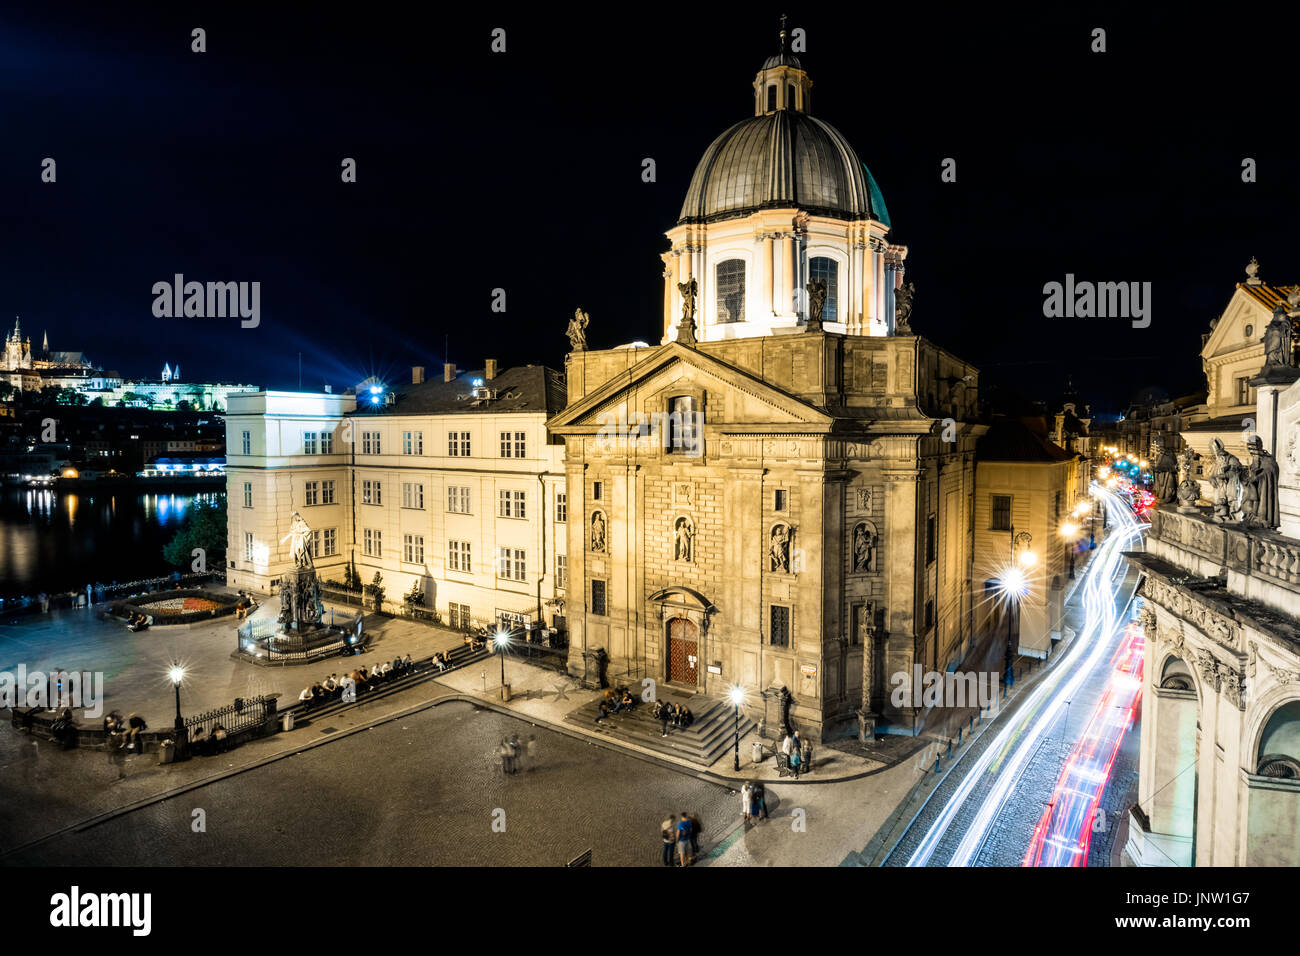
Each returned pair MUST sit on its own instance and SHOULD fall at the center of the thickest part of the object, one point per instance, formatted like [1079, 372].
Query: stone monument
[301, 608]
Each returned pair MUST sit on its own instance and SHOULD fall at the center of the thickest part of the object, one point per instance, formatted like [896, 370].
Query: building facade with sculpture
[1219, 771]
[778, 495]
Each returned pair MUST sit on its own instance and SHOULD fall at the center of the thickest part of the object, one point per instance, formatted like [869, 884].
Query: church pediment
[1229, 333]
[732, 395]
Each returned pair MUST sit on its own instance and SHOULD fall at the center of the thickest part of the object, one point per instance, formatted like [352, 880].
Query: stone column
[787, 276]
[765, 301]
[868, 292]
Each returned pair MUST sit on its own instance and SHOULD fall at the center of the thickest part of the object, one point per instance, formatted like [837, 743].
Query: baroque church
[779, 495]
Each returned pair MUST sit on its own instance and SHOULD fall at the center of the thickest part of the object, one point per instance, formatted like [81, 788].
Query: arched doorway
[683, 651]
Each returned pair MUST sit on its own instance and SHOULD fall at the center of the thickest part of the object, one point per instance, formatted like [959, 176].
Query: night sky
[523, 171]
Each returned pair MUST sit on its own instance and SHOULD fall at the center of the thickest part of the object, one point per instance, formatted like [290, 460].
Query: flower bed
[177, 607]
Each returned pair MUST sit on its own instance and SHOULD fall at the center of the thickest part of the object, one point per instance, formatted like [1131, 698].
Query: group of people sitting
[441, 661]
[205, 744]
[360, 680]
[618, 699]
[476, 640]
[122, 731]
[137, 621]
[667, 713]
[246, 605]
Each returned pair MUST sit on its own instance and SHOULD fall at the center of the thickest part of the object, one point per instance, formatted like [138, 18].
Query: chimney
[417, 374]
[448, 372]
[490, 369]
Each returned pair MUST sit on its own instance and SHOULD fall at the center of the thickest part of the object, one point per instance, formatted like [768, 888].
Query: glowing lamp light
[1013, 583]
[1142, 465]
[176, 673]
[1103, 472]
[1028, 558]
[502, 639]
[736, 695]
[1069, 529]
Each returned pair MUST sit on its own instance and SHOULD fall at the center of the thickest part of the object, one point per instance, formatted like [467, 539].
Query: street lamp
[502, 641]
[737, 696]
[1068, 531]
[177, 675]
[1014, 585]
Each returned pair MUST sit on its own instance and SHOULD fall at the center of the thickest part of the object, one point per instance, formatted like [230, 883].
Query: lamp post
[737, 696]
[177, 675]
[1068, 532]
[501, 641]
[1014, 586]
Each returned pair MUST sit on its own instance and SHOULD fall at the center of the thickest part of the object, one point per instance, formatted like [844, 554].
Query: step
[710, 735]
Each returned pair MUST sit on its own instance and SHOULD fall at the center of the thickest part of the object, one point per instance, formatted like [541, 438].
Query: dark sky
[522, 171]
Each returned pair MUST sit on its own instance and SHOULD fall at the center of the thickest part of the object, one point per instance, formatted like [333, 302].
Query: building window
[458, 444]
[326, 443]
[371, 493]
[512, 504]
[828, 271]
[458, 499]
[413, 548]
[311, 493]
[597, 489]
[561, 570]
[458, 617]
[771, 97]
[324, 542]
[412, 443]
[1245, 394]
[309, 443]
[561, 506]
[248, 544]
[731, 290]
[598, 606]
[248, 443]
[779, 635]
[511, 564]
[1001, 513]
[372, 543]
[370, 443]
[327, 492]
[789, 96]
[412, 495]
[931, 534]
[779, 501]
[929, 613]
[683, 425]
[458, 556]
[514, 445]
[248, 494]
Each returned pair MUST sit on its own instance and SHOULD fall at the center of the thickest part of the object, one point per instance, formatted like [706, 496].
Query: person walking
[665, 714]
[759, 809]
[696, 830]
[668, 833]
[684, 839]
[746, 800]
[507, 758]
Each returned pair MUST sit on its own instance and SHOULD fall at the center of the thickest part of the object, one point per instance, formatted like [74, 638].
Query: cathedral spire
[45, 341]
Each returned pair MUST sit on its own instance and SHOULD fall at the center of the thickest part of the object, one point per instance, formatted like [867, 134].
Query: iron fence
[246, 713]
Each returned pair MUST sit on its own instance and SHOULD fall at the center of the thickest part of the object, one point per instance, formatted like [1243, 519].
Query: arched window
[731, 290]
[789, 96]
[828, 271]
[771, 97]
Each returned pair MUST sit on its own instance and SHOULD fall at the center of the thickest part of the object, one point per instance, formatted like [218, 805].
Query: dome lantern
[782, 83]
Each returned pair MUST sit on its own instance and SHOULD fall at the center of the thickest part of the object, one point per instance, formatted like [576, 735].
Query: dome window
[789, 96]
[828, 271]
[731, 290]
[771, 97]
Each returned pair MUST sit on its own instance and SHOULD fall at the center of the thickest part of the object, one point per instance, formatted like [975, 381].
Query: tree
[7, 390]
[204, 528]
[375, 589]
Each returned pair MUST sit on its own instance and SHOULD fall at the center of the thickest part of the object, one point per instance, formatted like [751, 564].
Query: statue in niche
[1278, 336]
[864, 547]
[779, 551]
[578, 331]
[1259, 500]
[683, 535]
[1164, 471]
[598, 532]
[1226, 483]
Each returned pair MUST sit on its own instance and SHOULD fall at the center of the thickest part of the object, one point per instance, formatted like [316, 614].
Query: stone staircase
[710, 735]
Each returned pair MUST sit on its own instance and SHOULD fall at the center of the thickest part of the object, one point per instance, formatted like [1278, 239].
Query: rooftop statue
[578, 331]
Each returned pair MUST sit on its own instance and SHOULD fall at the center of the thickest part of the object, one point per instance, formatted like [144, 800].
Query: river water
[59, 541]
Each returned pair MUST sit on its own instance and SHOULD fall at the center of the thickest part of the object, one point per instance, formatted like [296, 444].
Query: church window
[828, 271]
[929, 613]
[683, 425]
[731, 290]
[789, 96]
[931, 532]
[779, 635]
[598, 598]
[771, 97]
[1245, 394]
[779, 503]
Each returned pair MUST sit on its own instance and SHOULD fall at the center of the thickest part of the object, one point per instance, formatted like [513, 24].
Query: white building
[451, 486]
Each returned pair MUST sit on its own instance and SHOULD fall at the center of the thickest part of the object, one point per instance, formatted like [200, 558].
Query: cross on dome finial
[783, 33]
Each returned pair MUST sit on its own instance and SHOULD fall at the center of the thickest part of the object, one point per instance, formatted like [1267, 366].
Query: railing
[244, 714]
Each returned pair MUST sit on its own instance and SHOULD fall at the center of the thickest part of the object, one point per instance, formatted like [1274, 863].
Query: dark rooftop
[525, 388]
[1009, 439]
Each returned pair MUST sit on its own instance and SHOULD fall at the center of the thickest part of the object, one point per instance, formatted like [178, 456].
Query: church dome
[782, 159]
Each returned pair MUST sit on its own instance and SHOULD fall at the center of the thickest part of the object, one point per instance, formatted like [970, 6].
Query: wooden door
[683, 652]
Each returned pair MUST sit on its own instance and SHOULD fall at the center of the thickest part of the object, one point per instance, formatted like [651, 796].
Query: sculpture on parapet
[1278, 341]
[1189, 489]
[904, 296]
[1259, 487]
[686, 328]
[578, 331]
[1164, 471]
[1225, 482]
[816, 303]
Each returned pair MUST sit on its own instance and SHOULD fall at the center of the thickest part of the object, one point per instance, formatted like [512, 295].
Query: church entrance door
[683, 652]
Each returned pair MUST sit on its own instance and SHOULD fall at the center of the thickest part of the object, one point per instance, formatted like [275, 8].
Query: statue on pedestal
[299, 538]
[1226, 483]
[578, 331]
[903, 298]
[1278, 341]
[1259, 487]
[816, 303]
[1164, 471]
[686, 328]
[1189, 490]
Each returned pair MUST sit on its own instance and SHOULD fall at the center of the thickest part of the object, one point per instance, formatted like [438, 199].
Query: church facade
[779, 495]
